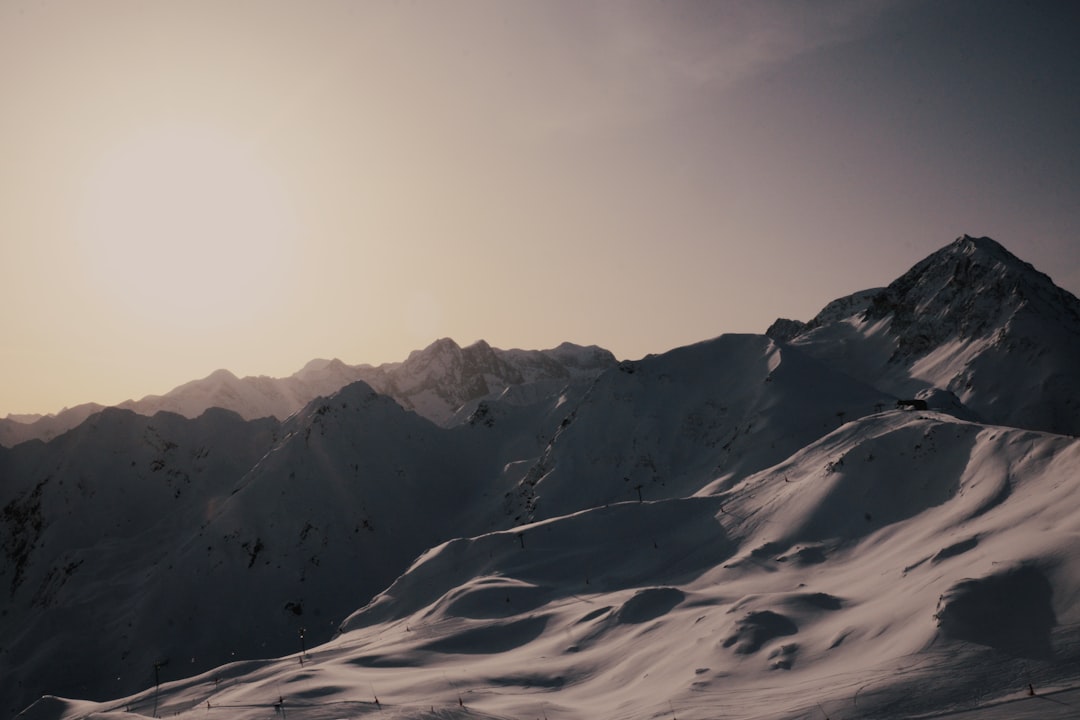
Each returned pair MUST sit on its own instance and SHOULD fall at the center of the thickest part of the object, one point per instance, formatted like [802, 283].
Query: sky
[251, 185]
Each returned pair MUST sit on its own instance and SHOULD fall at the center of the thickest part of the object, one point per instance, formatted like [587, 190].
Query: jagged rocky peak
[441, 347]
[480, 358]
[322, 368]
[442, 377]
[967, 290]
[479, 351]
[971, 319]
[443, 354]
[784, 329]
[966, 267]
[456, 373]
[845, 307]
[440, 356]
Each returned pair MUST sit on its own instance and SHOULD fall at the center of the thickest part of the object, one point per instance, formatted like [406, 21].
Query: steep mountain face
[85, 521]
[240, 533]
[971, 320]
[434, 382]
[665, 426]
[129, 527]
[355, 488]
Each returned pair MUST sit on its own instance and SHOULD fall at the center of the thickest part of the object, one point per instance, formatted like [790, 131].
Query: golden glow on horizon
[184, 225]
[251, 184]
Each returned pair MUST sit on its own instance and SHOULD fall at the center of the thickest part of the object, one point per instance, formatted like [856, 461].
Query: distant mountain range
[434, 382]
[751, 526]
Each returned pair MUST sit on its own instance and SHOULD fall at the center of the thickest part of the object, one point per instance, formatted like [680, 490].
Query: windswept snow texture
[747, 527]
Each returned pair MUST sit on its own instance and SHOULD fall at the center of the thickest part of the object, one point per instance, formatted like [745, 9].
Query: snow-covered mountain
[438, 380]
[868, 574]
[747, 527]
[972, 320]
[85, 524]
[435, 382]
[667, 425]
[166, 527]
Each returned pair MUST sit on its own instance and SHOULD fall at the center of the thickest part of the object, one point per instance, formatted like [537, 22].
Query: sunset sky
[186, 186]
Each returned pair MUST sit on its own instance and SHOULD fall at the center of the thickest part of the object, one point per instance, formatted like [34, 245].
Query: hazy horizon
[250, 185]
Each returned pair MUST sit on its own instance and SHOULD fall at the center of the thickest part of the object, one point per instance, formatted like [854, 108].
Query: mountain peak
[582, 357]
[968, 289]
[972, 319]
[983, 243]
[987, 246]
[480, 345]
[984, 251]
[314, 365]
[443, 345]
[221, 375]
[440, 348]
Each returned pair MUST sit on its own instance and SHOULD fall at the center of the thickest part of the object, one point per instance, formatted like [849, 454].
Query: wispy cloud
[721, 44]
[623, 62]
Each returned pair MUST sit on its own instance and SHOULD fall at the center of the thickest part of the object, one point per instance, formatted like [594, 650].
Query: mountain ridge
[486, 370]
[749, 526]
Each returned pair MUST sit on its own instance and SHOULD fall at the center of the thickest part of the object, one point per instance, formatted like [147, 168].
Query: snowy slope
[666, 425]
[741, 528]
[971, 319]
[897, 540]
[865, 576]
